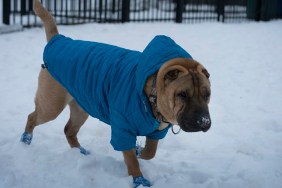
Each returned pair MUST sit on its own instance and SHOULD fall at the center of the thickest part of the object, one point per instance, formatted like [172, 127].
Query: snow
[242, 149]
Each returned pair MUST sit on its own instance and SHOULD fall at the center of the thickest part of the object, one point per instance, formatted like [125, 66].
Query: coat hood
[160, 50]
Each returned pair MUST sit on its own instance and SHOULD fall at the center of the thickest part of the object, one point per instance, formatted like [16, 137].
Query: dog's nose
[204, 123]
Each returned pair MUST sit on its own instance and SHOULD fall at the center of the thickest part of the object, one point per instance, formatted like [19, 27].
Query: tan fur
[47, 19]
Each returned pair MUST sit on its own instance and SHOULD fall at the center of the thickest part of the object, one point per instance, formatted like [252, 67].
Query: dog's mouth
[192, 129]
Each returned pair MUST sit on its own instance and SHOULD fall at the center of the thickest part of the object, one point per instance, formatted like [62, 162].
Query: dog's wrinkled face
[183, 89]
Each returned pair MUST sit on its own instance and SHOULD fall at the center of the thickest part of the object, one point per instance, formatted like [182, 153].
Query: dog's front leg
[132, 163]
[146, 153]
[149, 151]
[133, 168]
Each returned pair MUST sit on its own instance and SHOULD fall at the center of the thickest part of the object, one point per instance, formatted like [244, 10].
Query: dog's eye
[207, 95]
[183, 95]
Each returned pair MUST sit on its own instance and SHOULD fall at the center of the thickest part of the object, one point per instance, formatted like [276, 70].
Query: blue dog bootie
[84, 151]
[26, 138]
[140, 180]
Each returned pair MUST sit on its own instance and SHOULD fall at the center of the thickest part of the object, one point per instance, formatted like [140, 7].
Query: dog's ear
[173, 72]
[172, 75]
[202, 69]
[206, 73]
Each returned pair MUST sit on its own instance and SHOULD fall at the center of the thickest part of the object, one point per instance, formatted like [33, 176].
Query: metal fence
[84, 11]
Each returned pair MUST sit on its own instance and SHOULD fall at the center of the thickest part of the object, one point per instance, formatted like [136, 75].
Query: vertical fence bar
[35, 17]
[105, 11]
[85, 10]
[134, 8]
[158, 7]
[61, 11]
[147, 8]
[95, 10]
[66, 12]
[14, 10]
[79, 9]
[30, 8]
[55, 8]
[179, 11]
[28, 24]
[29, 13]
[113, 6]
[220, 10]
[23, 7]
[125, 11]
[6, 11]
[100, 10]
[141, 9]
[90, 10]
[258, 8]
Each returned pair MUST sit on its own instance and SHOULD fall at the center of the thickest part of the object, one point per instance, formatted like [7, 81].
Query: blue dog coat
[108, 82]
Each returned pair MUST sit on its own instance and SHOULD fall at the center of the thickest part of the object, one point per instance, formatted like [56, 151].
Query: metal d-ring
[174, 131]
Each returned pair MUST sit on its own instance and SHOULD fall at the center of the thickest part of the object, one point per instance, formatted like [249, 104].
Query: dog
[136, 93]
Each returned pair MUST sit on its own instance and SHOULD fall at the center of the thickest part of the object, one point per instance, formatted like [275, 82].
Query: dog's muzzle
[199, 123]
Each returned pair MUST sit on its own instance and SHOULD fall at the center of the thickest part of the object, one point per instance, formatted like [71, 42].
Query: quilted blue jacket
[108, 82]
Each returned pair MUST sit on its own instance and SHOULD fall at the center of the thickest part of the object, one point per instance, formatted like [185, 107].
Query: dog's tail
[47, 19]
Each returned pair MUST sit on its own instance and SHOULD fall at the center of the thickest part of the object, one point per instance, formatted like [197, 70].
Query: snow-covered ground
[243, 149]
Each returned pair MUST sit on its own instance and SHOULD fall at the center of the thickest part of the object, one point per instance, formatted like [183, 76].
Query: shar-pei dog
[136, 93]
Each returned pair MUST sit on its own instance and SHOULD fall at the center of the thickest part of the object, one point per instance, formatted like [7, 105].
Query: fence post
[179, 11]
[220, 10]
[30, 5]
[258, 10]
[125, 11]
[254, 9]
[6, 11]
[113, 6]
[23, 7]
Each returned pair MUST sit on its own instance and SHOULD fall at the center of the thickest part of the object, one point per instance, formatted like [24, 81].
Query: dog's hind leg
[47, 19]
[51, 98]
[77, 119]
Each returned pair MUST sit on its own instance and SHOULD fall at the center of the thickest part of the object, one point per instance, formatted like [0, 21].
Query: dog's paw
[26, 138]
[140, 180]
[84, 151]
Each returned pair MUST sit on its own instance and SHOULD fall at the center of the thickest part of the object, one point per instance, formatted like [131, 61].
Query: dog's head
[183, 94]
